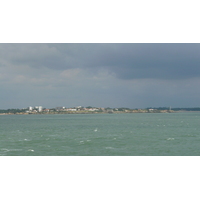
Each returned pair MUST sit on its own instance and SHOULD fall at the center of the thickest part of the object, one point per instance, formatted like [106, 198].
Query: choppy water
[139, 134]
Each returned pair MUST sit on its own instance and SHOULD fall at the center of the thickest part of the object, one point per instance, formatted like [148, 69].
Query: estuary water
[137, 134]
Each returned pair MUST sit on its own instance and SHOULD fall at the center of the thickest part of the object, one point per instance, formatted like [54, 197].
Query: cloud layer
[131, 75]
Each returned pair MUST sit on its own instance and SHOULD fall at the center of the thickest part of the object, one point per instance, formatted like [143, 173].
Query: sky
[134, 75]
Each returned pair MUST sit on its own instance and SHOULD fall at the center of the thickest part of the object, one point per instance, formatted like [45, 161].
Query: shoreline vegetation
[94, 110]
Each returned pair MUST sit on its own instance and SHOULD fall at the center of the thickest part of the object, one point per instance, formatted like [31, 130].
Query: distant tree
[89, 107]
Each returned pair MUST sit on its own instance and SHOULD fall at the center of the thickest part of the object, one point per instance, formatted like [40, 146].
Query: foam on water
[109, 148]
[170, 138]
[6, 150]
[31, 150]
[24, 140]
[15, 149]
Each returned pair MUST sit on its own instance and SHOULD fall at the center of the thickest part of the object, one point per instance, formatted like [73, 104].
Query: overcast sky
[102, 75]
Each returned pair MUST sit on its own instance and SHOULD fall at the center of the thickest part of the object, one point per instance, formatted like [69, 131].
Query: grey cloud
[132, 75]
[159, 61]
[126, 61]
[129, 61]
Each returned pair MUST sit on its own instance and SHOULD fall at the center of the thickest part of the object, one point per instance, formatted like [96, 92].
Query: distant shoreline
[94, 112]
[74, 113]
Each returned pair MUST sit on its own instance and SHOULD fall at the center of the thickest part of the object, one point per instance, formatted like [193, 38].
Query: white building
[30, 108]
[40, 108]
[71, 109]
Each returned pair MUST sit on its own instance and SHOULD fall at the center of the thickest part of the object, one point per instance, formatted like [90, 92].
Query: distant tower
[30, 108]
[40, 108]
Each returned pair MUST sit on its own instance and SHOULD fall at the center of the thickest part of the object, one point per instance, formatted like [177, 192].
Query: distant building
[71, 109]
[93, 109]
[30, 108]
[60, 108]
[40, 108]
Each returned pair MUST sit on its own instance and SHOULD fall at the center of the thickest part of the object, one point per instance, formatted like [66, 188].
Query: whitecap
[31, 150]
[170, 138]
[95, 130]
[6, 150]
[109, 147]
[15, 150]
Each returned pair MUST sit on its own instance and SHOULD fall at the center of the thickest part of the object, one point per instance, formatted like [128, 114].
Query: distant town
[91, 110]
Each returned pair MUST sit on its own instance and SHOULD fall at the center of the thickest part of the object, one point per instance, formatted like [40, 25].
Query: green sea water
[137, 134]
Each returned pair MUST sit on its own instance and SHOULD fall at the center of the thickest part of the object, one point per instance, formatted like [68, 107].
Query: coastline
[130, 111]
[83, 112]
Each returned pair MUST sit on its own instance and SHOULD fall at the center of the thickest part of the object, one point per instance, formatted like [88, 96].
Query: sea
[131, 134]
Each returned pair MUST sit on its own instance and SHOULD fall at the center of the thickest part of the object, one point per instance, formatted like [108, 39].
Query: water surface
[137, 134]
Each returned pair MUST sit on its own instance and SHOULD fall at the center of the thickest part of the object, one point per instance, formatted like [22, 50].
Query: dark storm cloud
[138, 60]
[162, 61]
[132, 75]
[159, 61]
[126, 61]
